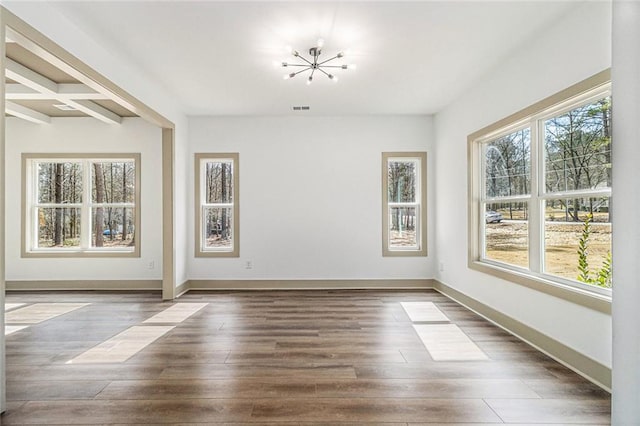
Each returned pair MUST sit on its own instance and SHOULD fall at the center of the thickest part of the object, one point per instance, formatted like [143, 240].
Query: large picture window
[217, 209]
[77, 205]
[541, 190]
[403, 207]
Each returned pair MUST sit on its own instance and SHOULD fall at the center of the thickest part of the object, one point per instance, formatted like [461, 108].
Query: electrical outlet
[151, 265]
[248, 264]
[441, 267]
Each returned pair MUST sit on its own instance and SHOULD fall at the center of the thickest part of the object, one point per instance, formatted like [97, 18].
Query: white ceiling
[217, 58]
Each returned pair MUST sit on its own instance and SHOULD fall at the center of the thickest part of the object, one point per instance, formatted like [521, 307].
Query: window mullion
[33, 199]
[536, 214]
[85, 210]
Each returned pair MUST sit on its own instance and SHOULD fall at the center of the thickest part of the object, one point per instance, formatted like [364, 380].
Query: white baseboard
[308, 284]
[54, 285]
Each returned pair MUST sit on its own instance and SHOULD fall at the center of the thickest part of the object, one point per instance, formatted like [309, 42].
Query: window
[217, 209]
[81, 205]
[404, 195]
[541, 190]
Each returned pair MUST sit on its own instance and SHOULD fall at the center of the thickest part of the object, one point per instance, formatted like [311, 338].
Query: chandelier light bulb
[340, 54]
[351, 66]
[320, 43]
[309, 80]
[284, 64]
[333, 78]
[288, 76]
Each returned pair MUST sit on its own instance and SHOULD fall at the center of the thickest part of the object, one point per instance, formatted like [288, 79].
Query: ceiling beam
[42, 84]
[29, 78]
[26, 113]
[17, 91]
[96, 111]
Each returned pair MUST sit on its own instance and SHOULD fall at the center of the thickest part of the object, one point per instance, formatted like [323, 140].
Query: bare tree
[58, 236]
[100, 197]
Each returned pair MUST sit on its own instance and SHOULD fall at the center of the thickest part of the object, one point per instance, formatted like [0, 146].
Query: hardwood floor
[275, 357]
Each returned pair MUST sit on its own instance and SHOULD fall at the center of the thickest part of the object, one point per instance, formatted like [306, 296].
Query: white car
[492, 217]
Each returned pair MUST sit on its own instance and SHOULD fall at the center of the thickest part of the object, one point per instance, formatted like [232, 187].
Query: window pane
[578, 148]
[113, 182]
[112, 227]
[58, 227]
[508, 165]
[402, 181]
[507, 239]
[218, 226]
[59, 182]
[402, 227]
[219, 182]
[564, 230]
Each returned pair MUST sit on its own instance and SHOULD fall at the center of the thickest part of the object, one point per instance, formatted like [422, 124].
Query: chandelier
[313, 65]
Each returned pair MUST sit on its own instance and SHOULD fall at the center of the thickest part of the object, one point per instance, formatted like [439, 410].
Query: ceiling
[37, 90]
[216, 58]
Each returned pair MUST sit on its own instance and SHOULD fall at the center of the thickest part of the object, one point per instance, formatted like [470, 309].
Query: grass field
[508, 242]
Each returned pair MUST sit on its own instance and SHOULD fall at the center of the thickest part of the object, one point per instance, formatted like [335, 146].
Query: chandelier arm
[304, 59]
[297, 65]
[330, 59]
[324, 72]
[306, 69]
[331, 66]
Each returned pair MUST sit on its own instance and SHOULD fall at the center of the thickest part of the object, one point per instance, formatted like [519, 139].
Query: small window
[217, 189]
[403, 206]
[77, 205]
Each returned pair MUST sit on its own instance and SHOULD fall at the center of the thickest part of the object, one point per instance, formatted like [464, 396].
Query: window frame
[28, 203]
[199, 171]
[532, 117]
[420, 203]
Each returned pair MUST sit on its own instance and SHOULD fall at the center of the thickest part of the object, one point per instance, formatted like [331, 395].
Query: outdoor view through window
[82, 204]
[403, 204]
[218, 205]
[571, 192]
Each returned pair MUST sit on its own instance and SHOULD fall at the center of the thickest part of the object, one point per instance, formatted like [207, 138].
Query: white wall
[86, 135]
[310, 195]
[626, 152]
[573, 49]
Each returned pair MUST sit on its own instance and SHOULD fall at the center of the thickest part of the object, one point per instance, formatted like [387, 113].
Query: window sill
[80, 254]
[403, 253]
[585, 298]
[217, 253]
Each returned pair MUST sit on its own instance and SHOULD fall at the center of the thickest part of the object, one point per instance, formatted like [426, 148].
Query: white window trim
[533, 117]
[199, 172]
[29, 206]
[420, 158]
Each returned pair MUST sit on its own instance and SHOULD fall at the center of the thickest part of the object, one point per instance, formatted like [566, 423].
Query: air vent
[301, 108]
[65, 107]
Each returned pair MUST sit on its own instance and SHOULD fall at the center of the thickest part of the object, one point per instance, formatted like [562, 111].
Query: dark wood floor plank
[555, 389]
[53, 390]
[130, 412]
[317, 356]
[226, 371]
[368, 410]
[207, 389]
[420, 388]
[552, 410]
